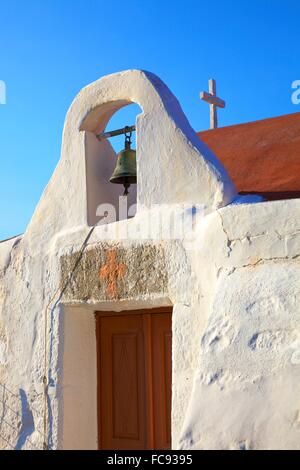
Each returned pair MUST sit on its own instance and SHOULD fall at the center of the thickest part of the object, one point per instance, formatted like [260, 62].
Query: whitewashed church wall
[246, 382]
[233, 283]
[235, 332]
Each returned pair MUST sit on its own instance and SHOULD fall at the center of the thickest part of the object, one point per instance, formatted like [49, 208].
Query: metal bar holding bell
[124, 130]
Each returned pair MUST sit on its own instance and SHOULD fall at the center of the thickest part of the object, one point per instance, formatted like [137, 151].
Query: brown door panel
[134, 380]
[122, 383]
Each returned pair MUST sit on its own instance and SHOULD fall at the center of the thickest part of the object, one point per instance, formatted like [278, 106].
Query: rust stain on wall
[110, 272]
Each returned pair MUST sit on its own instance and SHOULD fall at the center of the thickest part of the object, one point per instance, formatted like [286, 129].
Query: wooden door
[134, 379]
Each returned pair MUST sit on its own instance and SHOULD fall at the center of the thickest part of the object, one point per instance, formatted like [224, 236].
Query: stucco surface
[245, 392]
[232, 278]
[116, 272]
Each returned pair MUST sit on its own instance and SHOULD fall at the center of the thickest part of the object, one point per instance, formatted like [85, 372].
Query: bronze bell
[125, 171]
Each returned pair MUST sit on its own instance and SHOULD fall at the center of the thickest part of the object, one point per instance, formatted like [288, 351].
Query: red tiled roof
[262, 157]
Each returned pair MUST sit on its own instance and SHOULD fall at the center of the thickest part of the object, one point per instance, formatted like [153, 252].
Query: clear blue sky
[50, 49]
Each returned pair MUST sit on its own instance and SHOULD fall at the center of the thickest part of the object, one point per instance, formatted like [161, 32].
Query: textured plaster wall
[233, 283]
[78, 381]
[246, 383]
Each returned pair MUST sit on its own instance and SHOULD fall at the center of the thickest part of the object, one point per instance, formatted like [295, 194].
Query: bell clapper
[126, 186]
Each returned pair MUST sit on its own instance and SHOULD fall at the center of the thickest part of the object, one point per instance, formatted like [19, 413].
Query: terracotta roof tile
[262, 157]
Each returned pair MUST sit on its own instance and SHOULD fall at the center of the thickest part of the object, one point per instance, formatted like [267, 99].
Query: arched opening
[105, 199]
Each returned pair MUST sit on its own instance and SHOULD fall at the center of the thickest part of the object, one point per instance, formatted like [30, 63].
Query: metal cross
[214, 102]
